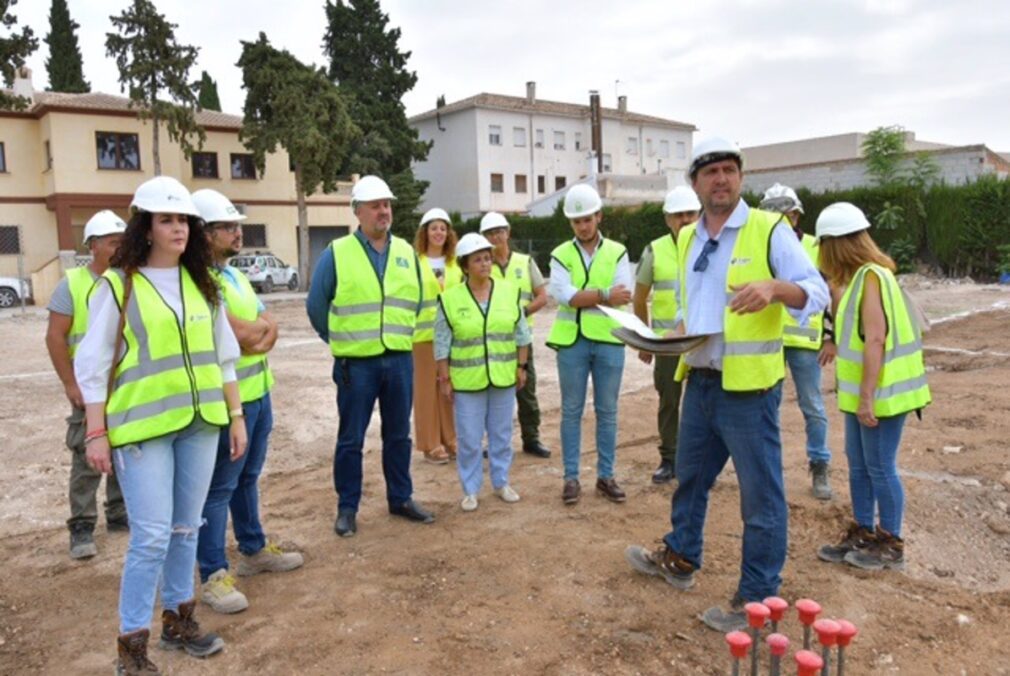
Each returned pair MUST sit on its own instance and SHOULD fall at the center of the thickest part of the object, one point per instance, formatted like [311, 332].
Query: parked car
[11, 291]
[266, 272]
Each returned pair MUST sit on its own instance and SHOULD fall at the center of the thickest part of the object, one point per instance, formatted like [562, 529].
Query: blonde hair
[421, 241]
[841, 257]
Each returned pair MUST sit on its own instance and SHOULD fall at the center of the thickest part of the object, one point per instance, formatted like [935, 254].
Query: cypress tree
[64, 65]
[207, 97]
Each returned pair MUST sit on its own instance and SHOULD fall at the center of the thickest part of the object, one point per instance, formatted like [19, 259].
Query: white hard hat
[781, 198]
[840, 219]
[164, 195]
[492, 220]
[711, 150]
[582, 200]
[215, 207]
[681, 199]
[369, 189]
[103, 223]
[435, 214]
[470, 243]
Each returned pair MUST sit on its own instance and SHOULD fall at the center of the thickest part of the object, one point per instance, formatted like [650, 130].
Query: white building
[502, 153]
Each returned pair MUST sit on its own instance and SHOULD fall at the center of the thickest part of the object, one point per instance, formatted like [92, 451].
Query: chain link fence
[12, 265]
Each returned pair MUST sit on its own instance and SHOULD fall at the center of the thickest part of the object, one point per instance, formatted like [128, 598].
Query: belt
[706, 373]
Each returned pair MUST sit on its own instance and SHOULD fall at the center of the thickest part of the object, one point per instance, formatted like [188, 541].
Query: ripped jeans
[165, 482]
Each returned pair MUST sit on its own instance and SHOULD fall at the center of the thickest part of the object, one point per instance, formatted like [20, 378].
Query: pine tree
[64, 65]
[207, 97]
[150, 63]
[14, 49]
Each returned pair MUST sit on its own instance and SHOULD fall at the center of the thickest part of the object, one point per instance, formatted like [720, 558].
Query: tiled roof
[519, 104]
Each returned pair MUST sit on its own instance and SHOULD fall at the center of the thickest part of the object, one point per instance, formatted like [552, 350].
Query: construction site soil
[534, 587]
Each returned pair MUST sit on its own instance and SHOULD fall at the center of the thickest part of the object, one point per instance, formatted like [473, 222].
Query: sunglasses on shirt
[701, 264]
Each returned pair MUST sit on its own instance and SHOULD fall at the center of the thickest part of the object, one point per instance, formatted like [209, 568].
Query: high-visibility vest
[80, 283]
[169, 371]
[483, 352]
[589, 322]
[252, 370]
[807, 337]
[752, 357]
[368, 317]
[901, 385]
[518, 273]
[665, 282]
[424, 329]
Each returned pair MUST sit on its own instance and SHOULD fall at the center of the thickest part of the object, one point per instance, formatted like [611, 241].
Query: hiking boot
[132, 649]
[120, 525]
[665, 473]
[856, 538]
[82, 541]
[726, 620]
[663, 562]
[609, 489]
[571, 492]
[270, 559]
[220, 594]
[887, 551]
[180, 630]
[819, 477]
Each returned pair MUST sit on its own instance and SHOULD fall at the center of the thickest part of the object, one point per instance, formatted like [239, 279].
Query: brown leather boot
[180, 630]
[132, 649]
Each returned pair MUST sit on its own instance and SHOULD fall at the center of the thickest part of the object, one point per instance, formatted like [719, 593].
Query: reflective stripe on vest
[368, 317]
[807, 337]
[169, 370]
[483, 352]
[901, 385]
[424, 329]
[591, 323]
[79, 283]
[254, 375]
[665, 282]
[517, 272]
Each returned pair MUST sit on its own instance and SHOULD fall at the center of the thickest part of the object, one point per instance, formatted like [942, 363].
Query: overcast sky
[756, 71]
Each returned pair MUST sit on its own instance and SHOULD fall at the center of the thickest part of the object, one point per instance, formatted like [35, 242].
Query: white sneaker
[507, 493]
[220, 594]
[469, 503]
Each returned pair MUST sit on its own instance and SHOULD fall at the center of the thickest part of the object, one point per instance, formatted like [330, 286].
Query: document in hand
[634, 333]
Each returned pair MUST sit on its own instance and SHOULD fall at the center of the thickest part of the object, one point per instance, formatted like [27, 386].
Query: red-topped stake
[808, 663]
[808, 611]
[846, 632]
[778, 607]
[739, 645]
[777, 645]
[757, 615]
[827, 634]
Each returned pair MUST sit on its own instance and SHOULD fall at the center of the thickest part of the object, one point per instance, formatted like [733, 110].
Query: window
[497, 183]
[681, 150]
[205, 165]
[10, 239]
[632, 145]
[254, 236]
[608, 163]
[118, 151]
[3, 159]
[49, 155]
[559, 182]
[243, 166]
[521, 184]
[541, 185]
[519, 137]
[494, 135]
[664, 148]
[559, 140]
[578, 140]
[539, 142]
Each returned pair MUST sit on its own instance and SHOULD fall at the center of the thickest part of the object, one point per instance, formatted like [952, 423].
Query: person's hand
[645, 357]
[752, 297]
[74, 395]
[98, 454]
[445, 387]
[520, 378]
[619, 295]
[865, 413]
[828, 353]
[237, 434]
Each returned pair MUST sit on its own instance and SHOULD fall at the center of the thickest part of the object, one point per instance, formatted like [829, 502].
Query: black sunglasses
[701, 264]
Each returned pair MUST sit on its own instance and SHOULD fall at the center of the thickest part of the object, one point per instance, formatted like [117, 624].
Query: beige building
[70, 155]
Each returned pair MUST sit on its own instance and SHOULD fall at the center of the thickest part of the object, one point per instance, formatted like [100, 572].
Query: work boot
[855, 538]
[270, 559]
[887, 551]
[609, 489]
[180, 630]
[82, 541]
[665, 473]
[663, 562]
[220, 594]
[132, 649]
[571, 492]
[725, 621]
[536, 448]
[120, 525]
[819, 475]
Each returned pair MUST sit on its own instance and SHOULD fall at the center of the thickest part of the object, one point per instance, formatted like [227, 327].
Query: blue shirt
[706, 291]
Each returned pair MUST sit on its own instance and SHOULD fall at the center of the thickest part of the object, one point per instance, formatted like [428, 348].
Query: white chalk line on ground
[998, 305]
[958, 350]
[21, 376]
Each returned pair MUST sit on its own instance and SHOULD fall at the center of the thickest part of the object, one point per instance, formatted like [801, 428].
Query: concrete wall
[821, 149]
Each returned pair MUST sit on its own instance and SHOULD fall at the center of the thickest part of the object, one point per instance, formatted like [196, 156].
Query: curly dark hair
[197, 258]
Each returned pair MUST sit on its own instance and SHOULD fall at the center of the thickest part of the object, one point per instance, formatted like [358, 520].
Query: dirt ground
[534, 587]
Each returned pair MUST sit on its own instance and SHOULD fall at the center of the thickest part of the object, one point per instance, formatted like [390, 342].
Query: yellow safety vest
[252, 370]
[752, 357]
[901, 385]
[665, 282]
[368, 317]
[424, 330]
[169, 371]
[807, 337]
[483, 352]
[80, 283]
[589, 322]
[518, 273]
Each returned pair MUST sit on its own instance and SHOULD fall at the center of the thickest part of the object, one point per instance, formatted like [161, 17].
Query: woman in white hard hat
[158, 382]
[434, 429]
[881, 379]
[481, 343]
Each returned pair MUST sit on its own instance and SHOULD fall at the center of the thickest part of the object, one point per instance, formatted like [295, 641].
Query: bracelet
[95, 437]
[236, 413]
[96, 434]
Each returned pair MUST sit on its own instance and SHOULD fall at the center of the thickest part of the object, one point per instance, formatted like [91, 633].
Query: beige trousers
[433, 422]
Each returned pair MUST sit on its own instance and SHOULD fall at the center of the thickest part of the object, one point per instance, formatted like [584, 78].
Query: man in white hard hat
[364, 300]
[658, 271]
[68, 321]
[739, 266]
[802, 349]
[587, 272]
[235, 482]
[520, 269]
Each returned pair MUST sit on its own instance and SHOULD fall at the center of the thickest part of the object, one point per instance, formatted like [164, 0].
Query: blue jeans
[716, 425]
[873, 471]
[475, 413]
[164, 482]
[807, 377]
[388, 378]
[605, 363]
[234, 484]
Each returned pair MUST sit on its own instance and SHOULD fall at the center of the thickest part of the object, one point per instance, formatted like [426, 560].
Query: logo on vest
[519, 273]
[401, 262]
[739, 261]
[463, 313]
[198, 318]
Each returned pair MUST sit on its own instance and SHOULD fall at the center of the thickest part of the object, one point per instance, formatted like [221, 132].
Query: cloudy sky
[757, 71]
